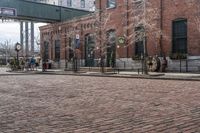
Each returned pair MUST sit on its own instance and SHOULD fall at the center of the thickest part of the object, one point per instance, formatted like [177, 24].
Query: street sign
[77, 36]
[4, 11]
[77, 43]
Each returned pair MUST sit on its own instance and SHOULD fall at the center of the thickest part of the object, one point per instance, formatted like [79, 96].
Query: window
[179, 36]
[71, 43]
[57, 50]
[82, 3]
[111, 3]
[46, 50]
[138, 7]
[69, 3]
[139, 48]
[139, 41]
[89, 49]
[71, 52]
[111, 35]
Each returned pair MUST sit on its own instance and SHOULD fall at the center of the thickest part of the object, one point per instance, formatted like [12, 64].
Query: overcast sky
[11, 31]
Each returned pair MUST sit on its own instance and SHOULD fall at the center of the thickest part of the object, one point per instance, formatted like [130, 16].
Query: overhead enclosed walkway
[26, 10]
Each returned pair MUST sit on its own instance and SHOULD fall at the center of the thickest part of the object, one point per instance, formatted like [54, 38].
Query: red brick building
[121, 30]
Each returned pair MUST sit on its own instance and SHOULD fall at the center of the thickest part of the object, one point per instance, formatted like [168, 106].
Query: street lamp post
[18, 48]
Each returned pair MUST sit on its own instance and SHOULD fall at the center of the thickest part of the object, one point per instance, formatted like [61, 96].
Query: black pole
[180, 65]
[76, 64]
[186, 64]
[73, 61]
[65, 53]
[65, 58]
[143, 65]
[17, 55]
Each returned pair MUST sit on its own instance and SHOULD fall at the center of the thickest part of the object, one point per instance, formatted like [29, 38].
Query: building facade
[54, 2]
[79, 4]
[88, 5]
[124, 32]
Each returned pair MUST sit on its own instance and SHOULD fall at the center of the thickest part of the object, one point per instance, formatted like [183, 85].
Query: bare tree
[101, 19]
[7, 50]
[194, 6]
[66, 33]
[145, 18]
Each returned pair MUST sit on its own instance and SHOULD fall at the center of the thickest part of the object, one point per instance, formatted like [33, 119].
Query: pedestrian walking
[32, 63]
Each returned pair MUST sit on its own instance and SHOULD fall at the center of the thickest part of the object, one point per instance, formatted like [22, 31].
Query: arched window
[57, 50]
[139, 40]
[179, 36]
[111, 3]
[89, 50]
[111, 37]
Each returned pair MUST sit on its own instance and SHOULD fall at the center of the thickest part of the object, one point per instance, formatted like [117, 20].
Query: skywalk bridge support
[38, 12]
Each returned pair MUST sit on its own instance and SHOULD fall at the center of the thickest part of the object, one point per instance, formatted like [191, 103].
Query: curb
[153, 77]
[109, 75]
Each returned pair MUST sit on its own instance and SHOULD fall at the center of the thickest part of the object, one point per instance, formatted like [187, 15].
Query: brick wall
[122, 20]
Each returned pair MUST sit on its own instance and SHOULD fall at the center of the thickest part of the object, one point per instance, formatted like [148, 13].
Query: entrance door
[89, 50]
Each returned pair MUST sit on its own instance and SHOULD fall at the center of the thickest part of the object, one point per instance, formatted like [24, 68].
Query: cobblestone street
[62, 104]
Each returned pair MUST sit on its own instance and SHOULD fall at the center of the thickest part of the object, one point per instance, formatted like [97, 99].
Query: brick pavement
[72, 104]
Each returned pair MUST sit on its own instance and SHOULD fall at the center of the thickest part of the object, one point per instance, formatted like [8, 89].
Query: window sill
[109, 8]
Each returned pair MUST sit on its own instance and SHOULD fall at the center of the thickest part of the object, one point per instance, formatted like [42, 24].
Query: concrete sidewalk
[120, 74]
[126, 74]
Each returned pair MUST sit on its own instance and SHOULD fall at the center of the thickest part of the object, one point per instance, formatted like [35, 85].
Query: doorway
[89, 50]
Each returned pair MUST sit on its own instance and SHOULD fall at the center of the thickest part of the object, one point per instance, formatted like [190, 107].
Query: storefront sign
[8, 11]
[121, 40]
